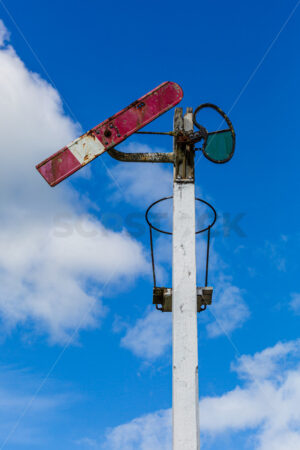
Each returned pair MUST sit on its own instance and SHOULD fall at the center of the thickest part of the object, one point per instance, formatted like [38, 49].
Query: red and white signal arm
[109, 133]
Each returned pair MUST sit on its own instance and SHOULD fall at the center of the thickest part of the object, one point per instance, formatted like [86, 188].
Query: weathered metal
[161, 133]
[191, 137]
[155, 157]
[110, 133]
[162, 298]
[184, 167]
[182, 137]
[202, 230]
[211, 138]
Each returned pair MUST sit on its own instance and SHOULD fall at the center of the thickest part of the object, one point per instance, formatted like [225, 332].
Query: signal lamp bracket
[219, 145]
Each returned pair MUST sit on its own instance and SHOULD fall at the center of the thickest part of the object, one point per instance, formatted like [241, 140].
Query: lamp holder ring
[170, 233]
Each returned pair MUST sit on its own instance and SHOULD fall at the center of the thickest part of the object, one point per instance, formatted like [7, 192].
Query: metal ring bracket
[152, 227]
[168, 232]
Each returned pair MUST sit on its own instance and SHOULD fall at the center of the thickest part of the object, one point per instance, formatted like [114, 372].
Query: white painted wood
[184, 312]
[86, 148]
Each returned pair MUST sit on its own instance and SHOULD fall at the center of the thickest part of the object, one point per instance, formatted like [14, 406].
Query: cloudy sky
[85, 359]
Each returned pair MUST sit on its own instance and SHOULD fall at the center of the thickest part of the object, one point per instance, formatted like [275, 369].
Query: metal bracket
[163, 297]
[192, 137]
[184, 162]
[141, 157]
[184, 170]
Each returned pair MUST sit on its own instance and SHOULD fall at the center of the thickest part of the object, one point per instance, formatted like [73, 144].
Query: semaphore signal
[184, 299]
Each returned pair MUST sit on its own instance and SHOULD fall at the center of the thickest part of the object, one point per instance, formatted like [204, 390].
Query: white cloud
[150, 337]
[265, 407]
[45, 278]
[52, 255]
[295, 302]
[150, 432]
[4, 34]
[268, 402]
[229, 309]
[266, 364]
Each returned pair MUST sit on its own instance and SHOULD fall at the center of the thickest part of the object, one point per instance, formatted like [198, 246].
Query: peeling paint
[110, 133]
[86, 148]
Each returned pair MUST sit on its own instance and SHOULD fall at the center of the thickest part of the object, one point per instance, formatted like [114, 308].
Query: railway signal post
[184, 299]
[184, 293]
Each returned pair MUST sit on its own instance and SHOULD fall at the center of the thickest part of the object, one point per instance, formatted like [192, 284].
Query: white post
[184, 307]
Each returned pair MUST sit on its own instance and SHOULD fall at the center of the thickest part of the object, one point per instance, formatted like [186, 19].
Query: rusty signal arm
[111, 132]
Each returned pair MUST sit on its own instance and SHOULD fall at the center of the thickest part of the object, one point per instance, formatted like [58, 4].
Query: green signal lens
[219, 146]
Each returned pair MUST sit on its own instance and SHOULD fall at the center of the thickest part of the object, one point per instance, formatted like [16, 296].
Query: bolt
[107, 133]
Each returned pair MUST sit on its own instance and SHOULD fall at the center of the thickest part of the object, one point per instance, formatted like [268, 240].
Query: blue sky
[85, 359]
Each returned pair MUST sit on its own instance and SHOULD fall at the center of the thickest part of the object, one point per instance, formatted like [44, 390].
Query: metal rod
[207, 256]
[218, 131]
[141, 157]
[152, 257]
[164, 133]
